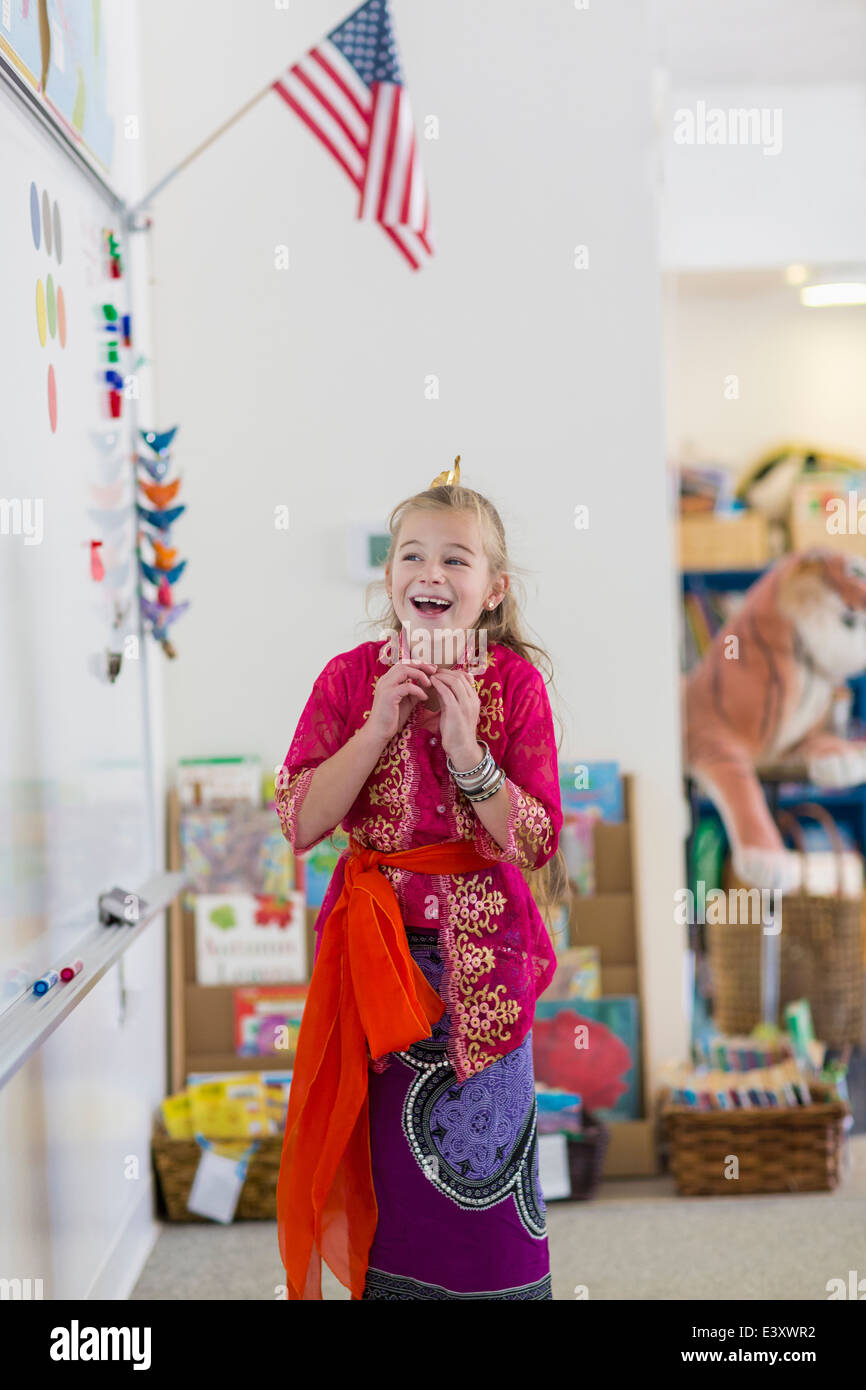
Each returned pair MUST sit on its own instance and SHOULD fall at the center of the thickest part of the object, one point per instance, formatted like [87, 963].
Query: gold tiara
[449, 477]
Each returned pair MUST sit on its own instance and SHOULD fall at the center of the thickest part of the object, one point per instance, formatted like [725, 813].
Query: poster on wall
[59, 47]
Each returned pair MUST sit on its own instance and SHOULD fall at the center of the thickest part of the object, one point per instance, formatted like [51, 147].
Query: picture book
[205, 781]
[238, 849]
[241, 938]
[591, 1047]
[268, 1019]
[230, 1109]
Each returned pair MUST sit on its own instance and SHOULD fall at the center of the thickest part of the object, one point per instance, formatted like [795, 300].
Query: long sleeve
[320, 734]
[532, 782]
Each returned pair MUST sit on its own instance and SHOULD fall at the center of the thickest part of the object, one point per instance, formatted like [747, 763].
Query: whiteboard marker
[69, 970]
[42, 986]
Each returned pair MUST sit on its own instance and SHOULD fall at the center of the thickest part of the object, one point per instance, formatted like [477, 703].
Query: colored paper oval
[58, 239]
[40, 311]
[51, 304]
[35, 221]
[46, 222]
[52, 400]
[61, 316]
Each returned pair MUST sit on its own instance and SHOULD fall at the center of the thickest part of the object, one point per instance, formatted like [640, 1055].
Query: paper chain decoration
[162, 611]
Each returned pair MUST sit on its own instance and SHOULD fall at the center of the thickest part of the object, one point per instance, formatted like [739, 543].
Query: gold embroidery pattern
[491, 713]
[387, 784]
[533, 830]
[378, 832]
[288, 796]
[464, 815]
[481, 1013]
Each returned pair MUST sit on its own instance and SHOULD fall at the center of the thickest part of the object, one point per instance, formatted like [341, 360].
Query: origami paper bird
[160, 496]
[156, 576]
[107, 442]
[162, 520]
[165, 556]
[113, 495]
[159, 443]
[160, 617]
[157, 468]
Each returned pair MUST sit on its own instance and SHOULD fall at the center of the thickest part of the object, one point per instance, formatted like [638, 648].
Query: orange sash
[365, 984]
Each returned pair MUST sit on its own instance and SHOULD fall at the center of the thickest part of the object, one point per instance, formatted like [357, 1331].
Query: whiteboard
[75, 764]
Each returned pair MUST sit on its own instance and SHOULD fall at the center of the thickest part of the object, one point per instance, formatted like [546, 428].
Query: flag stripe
[400, 238]
[357, 91]
[372, 180]
[319, 111]
[418, 206]
[332, 99]
[389, 168]
[407, 191]
[348, 161]
[401, 164]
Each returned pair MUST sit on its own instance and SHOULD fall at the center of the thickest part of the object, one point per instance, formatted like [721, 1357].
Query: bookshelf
[610, 919]
[200, 1017]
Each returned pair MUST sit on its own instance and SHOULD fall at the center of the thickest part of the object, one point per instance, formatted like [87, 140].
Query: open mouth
[431, 606]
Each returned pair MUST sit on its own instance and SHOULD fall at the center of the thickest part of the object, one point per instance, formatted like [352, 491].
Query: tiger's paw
[844, 768]
[766, 868]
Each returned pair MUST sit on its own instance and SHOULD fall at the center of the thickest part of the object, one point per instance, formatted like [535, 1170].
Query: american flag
[349, 90]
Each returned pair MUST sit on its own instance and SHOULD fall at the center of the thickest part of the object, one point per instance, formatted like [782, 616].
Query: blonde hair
[550, 884]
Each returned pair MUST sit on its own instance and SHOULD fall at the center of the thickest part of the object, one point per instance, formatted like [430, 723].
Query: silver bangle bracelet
[478, 784]
[474, 784]
[482, 796]
[485, 782]
[471, 771]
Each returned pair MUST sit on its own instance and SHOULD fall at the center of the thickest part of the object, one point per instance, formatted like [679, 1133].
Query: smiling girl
[410, 1155]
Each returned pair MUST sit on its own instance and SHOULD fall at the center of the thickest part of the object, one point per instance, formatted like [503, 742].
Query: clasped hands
[458, 721]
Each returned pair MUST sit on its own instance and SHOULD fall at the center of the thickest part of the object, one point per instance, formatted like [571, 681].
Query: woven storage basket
[586, 1158]
[821, 949]
[781, 1150]
[176, 1161]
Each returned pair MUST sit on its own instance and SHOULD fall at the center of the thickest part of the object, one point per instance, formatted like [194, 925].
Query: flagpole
[197, 151]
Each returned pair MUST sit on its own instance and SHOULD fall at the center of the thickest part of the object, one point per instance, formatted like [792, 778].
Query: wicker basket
[176, 1161]
[821, 949]
[586, 1156]
[781, 1150]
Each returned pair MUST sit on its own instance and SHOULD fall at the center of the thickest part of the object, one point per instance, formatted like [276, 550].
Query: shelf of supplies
[720, 580]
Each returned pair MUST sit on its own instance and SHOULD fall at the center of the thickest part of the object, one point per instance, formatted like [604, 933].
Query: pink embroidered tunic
[497, 953]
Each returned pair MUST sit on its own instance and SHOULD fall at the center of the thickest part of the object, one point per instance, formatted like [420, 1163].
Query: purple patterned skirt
[455, 1169]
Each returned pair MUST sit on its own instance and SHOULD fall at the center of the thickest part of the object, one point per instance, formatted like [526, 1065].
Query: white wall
[730, 206]
[75, 1120]
[800, 371]
[306, 387]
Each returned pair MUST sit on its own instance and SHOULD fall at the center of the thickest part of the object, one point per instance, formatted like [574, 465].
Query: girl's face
[440, 555]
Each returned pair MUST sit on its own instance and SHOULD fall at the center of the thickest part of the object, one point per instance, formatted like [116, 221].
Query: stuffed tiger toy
[763, 692]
